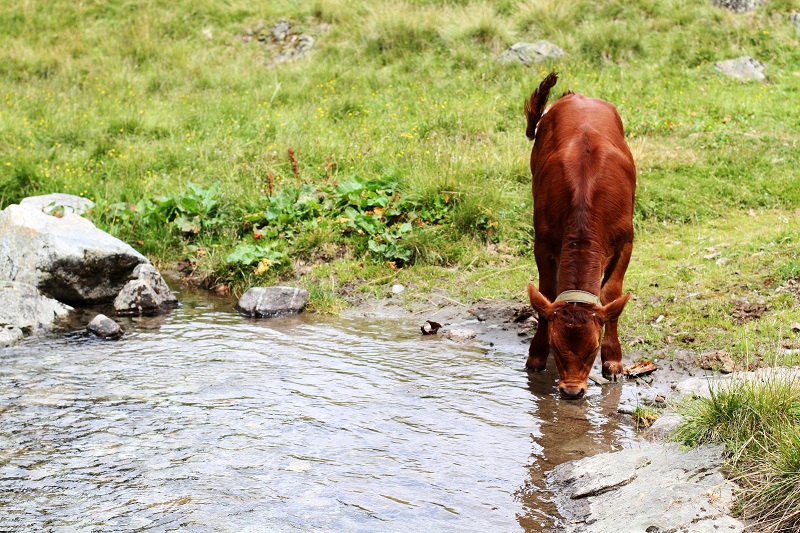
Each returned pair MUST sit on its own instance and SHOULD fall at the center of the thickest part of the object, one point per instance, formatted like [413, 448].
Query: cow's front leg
[611, 353]
[610, 350]
[539, 349]
[540, 344]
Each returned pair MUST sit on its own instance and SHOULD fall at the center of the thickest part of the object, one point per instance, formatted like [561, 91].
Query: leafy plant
[190, 212]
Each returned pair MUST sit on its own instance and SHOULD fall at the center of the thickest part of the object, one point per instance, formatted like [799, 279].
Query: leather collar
[577, 296]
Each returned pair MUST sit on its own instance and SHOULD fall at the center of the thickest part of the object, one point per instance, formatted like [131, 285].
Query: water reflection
[206, 421]
[568, 430]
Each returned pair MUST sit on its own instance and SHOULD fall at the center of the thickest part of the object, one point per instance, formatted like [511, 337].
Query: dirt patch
[790, 287]
[744, 310]
[717, 360]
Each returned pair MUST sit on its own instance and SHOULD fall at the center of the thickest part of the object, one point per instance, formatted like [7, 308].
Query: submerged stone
[268, 302]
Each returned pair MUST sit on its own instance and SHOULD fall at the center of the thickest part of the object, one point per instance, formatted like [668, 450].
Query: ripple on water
[208, 421]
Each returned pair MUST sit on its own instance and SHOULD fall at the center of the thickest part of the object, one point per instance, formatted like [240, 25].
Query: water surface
[205, 421]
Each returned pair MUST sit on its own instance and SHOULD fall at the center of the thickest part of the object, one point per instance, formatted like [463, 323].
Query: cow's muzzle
[572, 392]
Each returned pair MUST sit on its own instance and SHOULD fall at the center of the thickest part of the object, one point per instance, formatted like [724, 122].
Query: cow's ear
[614, 309]
[538, 301]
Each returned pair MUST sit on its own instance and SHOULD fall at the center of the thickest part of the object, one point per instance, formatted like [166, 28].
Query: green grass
[135, 104]
[644, 416]
[758, 423]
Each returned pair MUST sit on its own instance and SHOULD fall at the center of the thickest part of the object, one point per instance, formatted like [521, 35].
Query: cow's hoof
[612, 371]
[532, 365]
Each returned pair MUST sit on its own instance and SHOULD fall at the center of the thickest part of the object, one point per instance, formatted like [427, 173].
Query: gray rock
[66, 258]
[9, 335]
[268, 302]
[397, 288]
[104, 327]
[148, 273]
[795, 18]
[696, 386]
[145, 294]
[460, 334]
[702, 386]
[665, 426]
[531, 53]
[59, 202]
[743, 68]
[25, 310]
[654, 487]
[280, 31]
[137, 298]
[738, 6]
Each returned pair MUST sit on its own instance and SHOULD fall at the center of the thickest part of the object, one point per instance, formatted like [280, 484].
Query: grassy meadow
[395, 151]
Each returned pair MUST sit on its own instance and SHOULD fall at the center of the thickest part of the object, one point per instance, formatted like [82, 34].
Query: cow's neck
[580, 265]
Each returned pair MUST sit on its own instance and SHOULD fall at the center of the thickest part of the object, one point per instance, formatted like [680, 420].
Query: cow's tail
[535, 105]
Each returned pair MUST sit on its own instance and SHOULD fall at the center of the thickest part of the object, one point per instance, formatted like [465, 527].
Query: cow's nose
[572, 392]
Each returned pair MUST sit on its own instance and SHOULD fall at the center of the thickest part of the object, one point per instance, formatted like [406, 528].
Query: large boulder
[268, 302]
[66, 258]
[145, 294]
[58, 203]
[24, 310]
[531, 53]
[743, 68]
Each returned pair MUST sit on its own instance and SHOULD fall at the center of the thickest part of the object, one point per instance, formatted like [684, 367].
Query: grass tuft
[758, 423]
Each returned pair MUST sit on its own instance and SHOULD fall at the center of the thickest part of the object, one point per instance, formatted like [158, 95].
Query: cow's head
[575, 331]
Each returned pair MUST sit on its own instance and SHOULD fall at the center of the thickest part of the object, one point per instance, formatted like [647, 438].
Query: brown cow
[584, 182]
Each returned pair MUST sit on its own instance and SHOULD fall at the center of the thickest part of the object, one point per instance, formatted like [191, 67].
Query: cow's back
[583, 171]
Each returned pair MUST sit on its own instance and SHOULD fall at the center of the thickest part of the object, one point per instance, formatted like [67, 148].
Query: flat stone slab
[268, 302]
[654, 487]
[66, 258]
[530, 53]
[701, 386]
[743, 68]
[58, 203]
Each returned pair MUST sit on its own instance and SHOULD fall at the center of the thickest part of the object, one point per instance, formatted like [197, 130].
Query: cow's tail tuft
[535, 105]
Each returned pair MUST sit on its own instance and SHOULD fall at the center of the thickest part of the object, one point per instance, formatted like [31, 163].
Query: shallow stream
[206, 421]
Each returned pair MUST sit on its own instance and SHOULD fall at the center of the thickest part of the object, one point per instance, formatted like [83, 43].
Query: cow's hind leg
[610, 350]
[540, 344]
